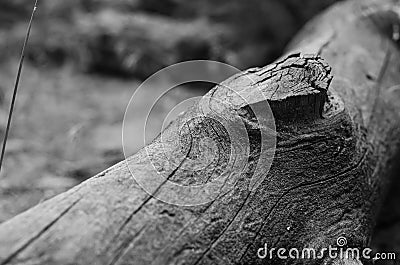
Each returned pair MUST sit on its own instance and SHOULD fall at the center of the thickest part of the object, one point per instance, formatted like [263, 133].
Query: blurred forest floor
[87, 57]
[84, 61]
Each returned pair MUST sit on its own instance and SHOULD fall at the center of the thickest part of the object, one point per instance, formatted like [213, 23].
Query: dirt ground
[67, 127]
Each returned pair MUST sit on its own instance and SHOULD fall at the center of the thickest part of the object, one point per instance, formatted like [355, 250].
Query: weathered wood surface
[326, 180]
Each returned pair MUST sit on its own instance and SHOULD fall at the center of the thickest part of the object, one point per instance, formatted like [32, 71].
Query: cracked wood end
[295, 87]
[301, 87]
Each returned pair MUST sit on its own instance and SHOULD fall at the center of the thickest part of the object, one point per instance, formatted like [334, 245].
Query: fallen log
[335, 144]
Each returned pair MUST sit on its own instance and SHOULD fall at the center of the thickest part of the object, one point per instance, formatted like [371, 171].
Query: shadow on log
[335, 143]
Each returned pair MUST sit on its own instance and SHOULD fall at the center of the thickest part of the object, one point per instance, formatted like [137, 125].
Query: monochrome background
[87, 57]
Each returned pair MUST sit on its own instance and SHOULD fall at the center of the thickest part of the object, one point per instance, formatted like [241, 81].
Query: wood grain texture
[336, 141]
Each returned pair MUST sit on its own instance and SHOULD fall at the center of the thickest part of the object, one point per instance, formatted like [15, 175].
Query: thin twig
[14, 96]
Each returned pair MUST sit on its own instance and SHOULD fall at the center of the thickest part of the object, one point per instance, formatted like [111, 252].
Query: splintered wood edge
[295, 87]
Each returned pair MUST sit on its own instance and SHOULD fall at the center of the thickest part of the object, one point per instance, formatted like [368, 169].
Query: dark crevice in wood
[121, 251]
[129, 219]
[41, 232]
[344, 172]
[223, 232]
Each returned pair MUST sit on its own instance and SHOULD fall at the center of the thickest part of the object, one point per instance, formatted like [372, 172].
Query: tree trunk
[335, 144]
